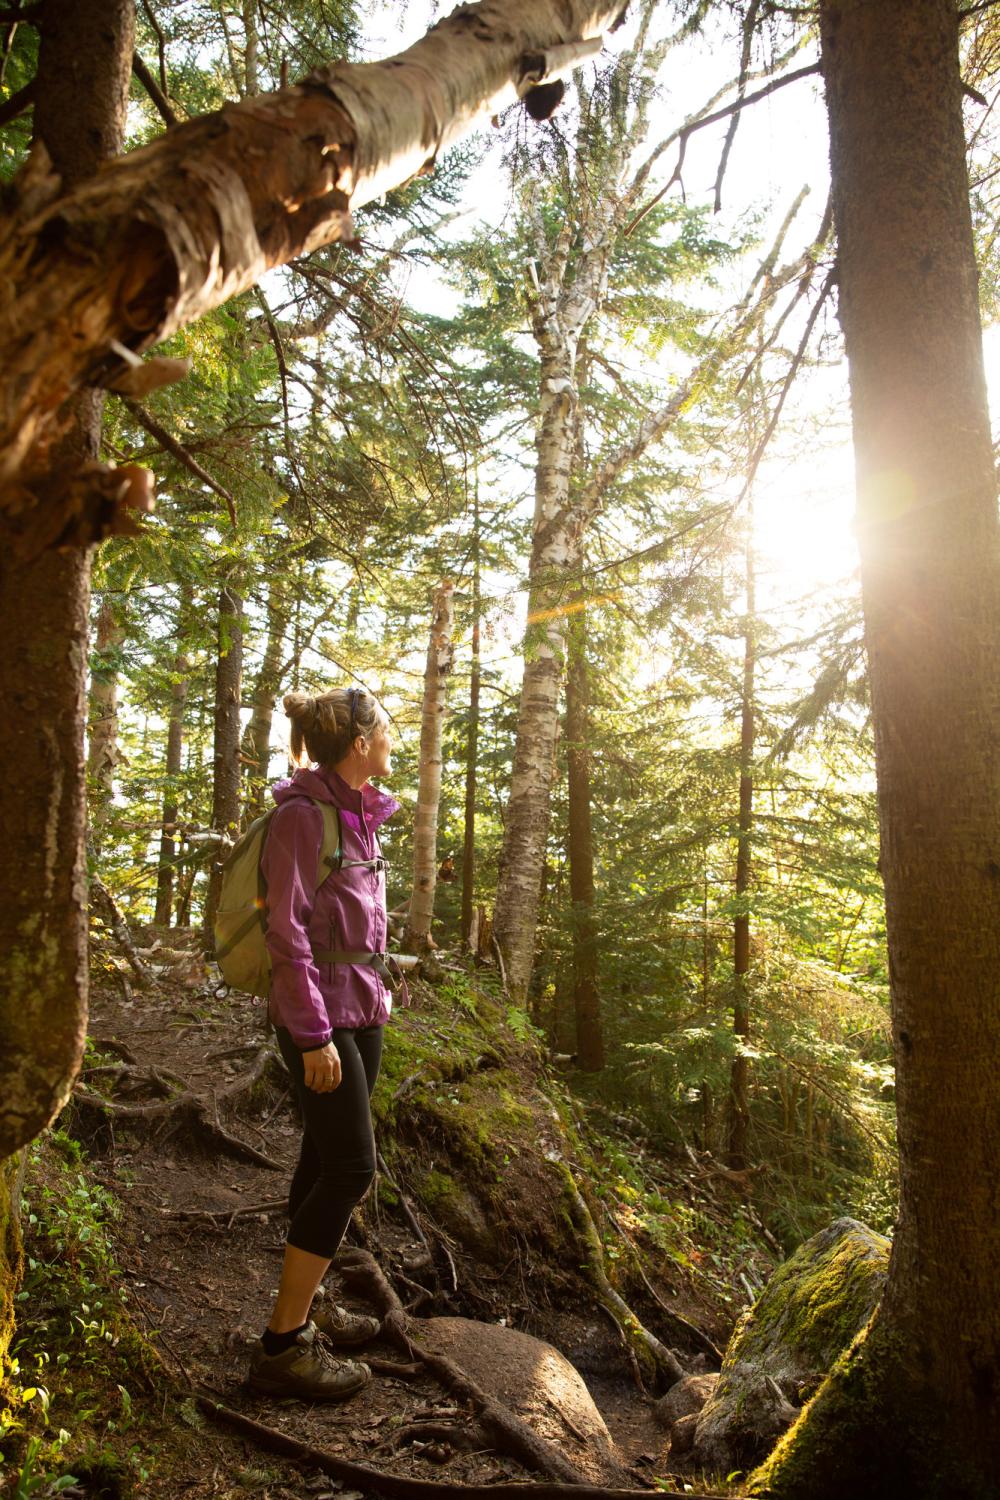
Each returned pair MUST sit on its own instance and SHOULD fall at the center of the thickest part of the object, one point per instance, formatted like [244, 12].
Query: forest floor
[188, 1124]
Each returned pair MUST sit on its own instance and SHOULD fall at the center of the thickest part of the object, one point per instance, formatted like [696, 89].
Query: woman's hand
[322, 1068]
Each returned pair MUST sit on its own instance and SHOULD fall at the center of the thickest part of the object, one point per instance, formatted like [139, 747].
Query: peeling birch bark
[172, 230]
[440, 655]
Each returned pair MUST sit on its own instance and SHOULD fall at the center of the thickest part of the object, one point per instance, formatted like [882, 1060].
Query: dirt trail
[200, 1251]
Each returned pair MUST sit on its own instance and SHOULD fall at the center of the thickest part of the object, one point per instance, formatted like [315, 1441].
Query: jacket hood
[324, 785]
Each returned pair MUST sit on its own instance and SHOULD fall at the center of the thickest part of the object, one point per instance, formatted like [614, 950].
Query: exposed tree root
[396, 1486]
[505, 1430]
[189, 1110]
[455, 1434]
[395, 1371]
[639, 1337]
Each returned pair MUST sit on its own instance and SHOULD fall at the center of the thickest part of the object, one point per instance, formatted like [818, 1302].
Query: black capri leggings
[336, 1164]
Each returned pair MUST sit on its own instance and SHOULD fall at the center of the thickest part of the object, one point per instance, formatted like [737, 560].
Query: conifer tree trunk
[586, 996]
[172, 769]
[102, 718]
[914, 1409]
[440, 652]
[82, 86]
[265, 693]
[472, 753]
[226, 739]
[739, 1079]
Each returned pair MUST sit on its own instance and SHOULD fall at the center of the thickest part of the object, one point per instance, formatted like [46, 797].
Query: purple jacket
[347, 913]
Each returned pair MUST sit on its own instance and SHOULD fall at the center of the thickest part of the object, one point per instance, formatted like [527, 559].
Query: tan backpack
[241, 918]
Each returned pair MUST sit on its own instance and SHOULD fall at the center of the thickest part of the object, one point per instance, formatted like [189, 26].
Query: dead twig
[629, 1351]
[271, 1206]
[688, 130]
[406, 1207]
[153, 89]
[167, 441]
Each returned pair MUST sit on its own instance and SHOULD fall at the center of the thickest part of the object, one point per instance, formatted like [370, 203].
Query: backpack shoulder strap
[331, 853]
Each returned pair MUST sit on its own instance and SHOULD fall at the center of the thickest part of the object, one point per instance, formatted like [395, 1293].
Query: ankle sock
[277, 1343]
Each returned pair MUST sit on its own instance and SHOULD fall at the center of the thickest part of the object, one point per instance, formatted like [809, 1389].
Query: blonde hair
[325, 727]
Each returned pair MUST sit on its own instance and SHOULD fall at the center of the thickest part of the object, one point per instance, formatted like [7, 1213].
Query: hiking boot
[308, 1370]
[346, 1330]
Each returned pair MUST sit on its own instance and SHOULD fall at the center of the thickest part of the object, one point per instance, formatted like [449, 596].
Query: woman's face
[379, 752]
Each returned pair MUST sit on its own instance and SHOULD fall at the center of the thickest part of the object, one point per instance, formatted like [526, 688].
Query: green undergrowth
[481, 1131]
[79, 1379]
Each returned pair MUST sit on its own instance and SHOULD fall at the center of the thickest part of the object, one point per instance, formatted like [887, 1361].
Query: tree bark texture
[265, 693]
[83, 73]
[555, 552]
[440, 655]
[171, 806]
[226, 752]
[739, 1078]
[586, 994]
[102, 718]
[469, 917]
[199, 214]
[915, 1407]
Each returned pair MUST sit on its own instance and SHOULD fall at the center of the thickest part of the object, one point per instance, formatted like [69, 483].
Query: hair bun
[300, 707]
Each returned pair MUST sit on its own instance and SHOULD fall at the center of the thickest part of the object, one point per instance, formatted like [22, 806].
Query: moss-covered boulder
[782, 1347]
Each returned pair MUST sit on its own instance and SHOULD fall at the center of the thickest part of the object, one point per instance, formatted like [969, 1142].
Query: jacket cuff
[314, 1046]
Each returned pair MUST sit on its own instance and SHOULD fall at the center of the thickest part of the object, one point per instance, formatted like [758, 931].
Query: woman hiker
[328, 1014]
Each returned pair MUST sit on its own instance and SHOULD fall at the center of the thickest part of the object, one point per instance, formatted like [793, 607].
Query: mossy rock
[459, 1211]
[782, 1347]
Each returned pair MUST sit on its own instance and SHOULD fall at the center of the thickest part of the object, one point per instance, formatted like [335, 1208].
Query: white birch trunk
[555, 544]
[440, 653]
